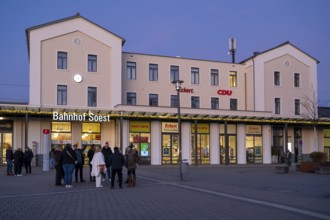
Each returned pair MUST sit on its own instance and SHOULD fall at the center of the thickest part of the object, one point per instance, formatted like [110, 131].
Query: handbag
[101, 167]
[75, 162]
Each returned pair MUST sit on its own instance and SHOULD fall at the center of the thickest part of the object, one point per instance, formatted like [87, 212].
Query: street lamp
[177, 84]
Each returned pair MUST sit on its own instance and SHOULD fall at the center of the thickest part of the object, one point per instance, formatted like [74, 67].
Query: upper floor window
[131, 70]
[297, 106]
[194, 102]
[214, 103]
[131, 98]
[92, 97]
[153, 100]
[62, 60]
[174, 73]
[153, 72]
[233, 79]
[194, 75]
[297, 80]
[277, 81]
[277, 106]
[214, 77]
[233, 104]
[92, 63]
[174, 101]
[62, 93]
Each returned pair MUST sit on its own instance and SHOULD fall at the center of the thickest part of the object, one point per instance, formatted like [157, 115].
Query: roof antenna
[232, 48]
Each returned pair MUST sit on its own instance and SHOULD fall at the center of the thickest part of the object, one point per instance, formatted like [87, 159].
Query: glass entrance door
[6, 140]
[203, 149]
[170, 149]
[253, 149]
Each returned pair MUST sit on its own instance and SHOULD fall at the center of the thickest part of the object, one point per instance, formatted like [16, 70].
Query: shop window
[61, 133]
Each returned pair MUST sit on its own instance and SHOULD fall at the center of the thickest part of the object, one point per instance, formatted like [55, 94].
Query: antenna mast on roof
[232, 48]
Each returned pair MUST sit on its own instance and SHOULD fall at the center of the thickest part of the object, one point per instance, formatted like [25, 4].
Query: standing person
[69, 159]
[90, 155]
[288, 157]
[117, 161]
[98, 166]
[80, 163]
[28, 155]
[132, 159]
[107, 152]
[18, 161]
[52, 157]
[58, 166]
[9, 160]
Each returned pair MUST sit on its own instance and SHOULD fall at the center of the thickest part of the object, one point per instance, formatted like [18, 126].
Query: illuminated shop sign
[139, 127]
[169, 127]
[201, 128]
[253, 129]
[6, 126]
[224, 92]
[63, 116]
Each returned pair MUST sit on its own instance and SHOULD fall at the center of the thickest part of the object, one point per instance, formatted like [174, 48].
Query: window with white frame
[131, 98]
[233, 104]
[131, 70]
[297, 80]
[92, 97]
[174, 74]
[62, 60]
[214, 77]
[297, 106]
[194, 75]
[62, 92]
[174, 101]
[214, 103]
[277, 80]
[153, 99]
[277, 104]
[194, 102]
[233, 79]
[153, 72]
[92, 63]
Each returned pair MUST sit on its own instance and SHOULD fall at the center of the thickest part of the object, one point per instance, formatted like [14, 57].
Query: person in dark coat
[90, 155]
[9, 160]
[69, 159]
[18, 161]
[117, 161]
[80, 163]
[58, 166]
[28, 155]
[107, 152]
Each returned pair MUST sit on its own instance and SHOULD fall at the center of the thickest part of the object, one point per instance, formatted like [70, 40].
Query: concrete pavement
[208, 192]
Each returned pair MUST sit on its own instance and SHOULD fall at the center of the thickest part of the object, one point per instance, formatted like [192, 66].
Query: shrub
[317, 156]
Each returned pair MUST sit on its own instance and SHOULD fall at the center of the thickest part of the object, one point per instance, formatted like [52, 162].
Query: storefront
[90, 134]
[139, 135]
[253, 142]
[232, 143]
[201, 148]
[6, 139]
[61, 133]
[170, 143]
[326, 133]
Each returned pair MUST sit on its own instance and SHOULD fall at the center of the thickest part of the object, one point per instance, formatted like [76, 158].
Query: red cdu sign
[45, 131]
[224, 92]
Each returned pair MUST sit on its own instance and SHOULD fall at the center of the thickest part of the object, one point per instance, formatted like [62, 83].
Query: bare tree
[311, 105]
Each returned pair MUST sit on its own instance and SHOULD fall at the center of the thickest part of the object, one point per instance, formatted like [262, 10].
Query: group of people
[18, 159]
[102, 162]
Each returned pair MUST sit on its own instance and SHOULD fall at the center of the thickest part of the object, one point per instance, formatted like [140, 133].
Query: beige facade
[223, 135]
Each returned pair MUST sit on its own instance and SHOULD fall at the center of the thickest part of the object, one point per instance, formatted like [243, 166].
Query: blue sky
[187, 28]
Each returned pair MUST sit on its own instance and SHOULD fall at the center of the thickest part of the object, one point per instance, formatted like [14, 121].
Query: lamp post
[177, 84]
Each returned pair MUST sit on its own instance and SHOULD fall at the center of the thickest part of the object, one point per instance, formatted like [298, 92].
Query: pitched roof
[280, 45]
[27, 31]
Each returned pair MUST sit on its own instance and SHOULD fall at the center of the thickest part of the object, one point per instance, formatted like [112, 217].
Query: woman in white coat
[98, 166]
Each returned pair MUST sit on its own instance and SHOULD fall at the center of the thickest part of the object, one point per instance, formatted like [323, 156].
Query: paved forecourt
[208, 192]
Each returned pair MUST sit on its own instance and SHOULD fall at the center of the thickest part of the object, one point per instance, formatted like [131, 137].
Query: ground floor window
[232, 143]
[6, 139]
[140, 137]
[200, 144]
[170, 143]
[90, 134]
[253, 144]
[61, 133]
[327, 143]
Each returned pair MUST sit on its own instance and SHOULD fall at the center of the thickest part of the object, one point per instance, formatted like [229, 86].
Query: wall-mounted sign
[170, 127]
[185, 90]
[139, 126]
[253, 129]
[224, 92]
[201, 128]
[6, 126]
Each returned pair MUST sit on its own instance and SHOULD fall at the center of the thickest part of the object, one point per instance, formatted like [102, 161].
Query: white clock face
[77, 78]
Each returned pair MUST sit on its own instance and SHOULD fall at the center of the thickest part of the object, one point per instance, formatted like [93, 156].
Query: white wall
[214, 143]
[156, 154]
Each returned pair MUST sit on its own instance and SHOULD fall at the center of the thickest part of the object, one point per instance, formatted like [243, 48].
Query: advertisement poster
[144, 149]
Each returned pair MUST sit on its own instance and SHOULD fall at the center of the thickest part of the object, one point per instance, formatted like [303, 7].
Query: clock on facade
[77, 78]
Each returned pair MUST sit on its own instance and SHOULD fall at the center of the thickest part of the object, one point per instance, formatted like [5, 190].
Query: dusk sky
[187, 28]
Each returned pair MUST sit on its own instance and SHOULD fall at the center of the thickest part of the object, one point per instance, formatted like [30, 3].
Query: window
[92, 63]
[194, 102]
[277, 78]
[131, 98]
[194, 75]
[174, 73]
[297, 106]
[174, 101]
[214, 103]
[62, 60]
[214, 77]
[92, 94]
[297, 80]
[233, 79]
[131, 70]
[153, 100]
[153, 72]
[233, 104]
[277, 106]
[62, 93]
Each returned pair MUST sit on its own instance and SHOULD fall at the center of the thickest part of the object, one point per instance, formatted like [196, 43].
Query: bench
[282, 169]
[323, 170]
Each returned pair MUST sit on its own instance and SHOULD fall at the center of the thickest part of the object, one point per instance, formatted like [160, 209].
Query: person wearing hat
[107, 152]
